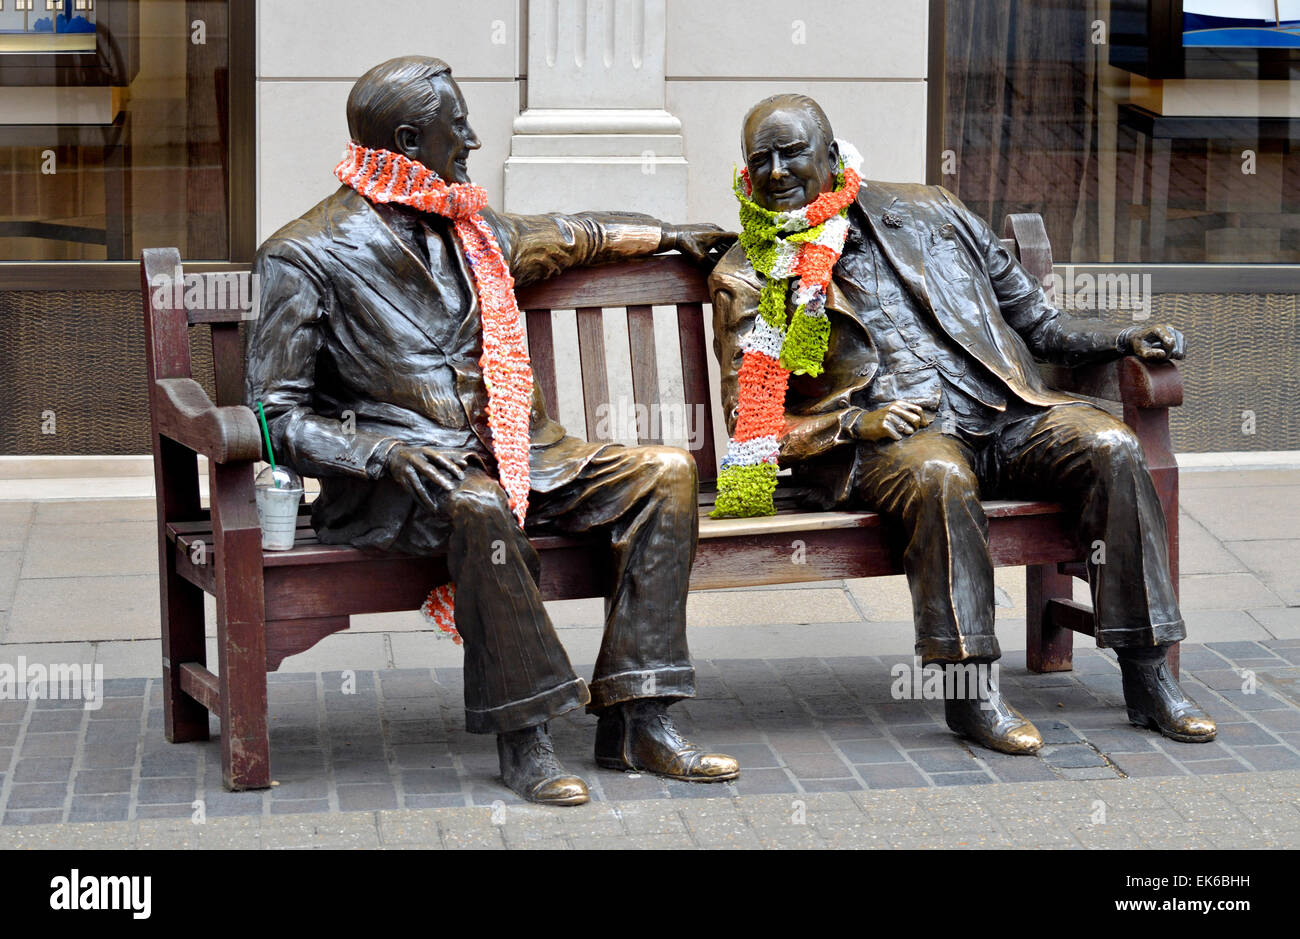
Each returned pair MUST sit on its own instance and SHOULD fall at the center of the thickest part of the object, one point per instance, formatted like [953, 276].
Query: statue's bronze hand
[895, 420]
[416, 468]
[702, 243]
[1155, 343]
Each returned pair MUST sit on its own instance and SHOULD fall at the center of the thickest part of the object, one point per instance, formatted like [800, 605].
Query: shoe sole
[1150, 723]
[621, 766]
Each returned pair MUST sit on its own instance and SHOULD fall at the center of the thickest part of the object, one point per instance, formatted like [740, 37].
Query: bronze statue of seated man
[880, 340]
[389, 355]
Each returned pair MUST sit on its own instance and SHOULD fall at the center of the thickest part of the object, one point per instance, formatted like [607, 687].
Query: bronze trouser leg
[516, 671]
[926, 483]
[644, 498]
[1081, 456]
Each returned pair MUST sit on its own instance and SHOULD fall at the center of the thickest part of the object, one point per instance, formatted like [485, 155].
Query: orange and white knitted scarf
[384, 176]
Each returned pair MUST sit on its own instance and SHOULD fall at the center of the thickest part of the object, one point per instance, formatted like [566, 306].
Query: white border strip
[1239, 460]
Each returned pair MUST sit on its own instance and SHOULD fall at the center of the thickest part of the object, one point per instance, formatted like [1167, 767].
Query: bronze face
[790, 159]
[443, 144]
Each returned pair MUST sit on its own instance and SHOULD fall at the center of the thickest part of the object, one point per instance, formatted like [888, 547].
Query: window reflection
[1134, 146]
[113, 129]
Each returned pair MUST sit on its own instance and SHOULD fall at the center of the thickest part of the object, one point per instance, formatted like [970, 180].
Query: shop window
[1142, 130]
[114, 129]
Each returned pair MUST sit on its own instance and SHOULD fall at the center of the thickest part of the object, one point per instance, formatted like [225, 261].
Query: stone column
[595, 134]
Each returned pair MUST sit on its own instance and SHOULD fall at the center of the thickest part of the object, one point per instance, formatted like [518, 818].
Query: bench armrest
[184, 412]
[1129, 380]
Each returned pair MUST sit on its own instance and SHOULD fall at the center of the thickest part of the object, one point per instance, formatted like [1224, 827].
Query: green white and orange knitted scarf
[794, 253]
[384, 176]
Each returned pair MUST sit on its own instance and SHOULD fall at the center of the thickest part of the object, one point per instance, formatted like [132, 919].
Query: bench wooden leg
[184, 719]
[241, 631]
[245, 744]
[1049, 648]
[180, 602]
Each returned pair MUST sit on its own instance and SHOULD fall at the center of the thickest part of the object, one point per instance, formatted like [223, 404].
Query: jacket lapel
[901, 242]
[472, 321]
[376, 256]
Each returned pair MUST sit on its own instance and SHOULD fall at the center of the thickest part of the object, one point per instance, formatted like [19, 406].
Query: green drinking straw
[266, 436]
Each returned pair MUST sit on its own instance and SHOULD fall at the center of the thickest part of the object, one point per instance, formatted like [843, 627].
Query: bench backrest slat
[1025, 236]
[227, 364]
[695, 384]
[541, 350]
[227, 297]
[595, 375]
[645, 371]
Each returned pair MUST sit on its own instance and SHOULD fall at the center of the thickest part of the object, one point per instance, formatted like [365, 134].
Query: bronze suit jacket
[354, 351]
[979, 295]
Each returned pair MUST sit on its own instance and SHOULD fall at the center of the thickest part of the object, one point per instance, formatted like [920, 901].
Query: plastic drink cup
[277, 507]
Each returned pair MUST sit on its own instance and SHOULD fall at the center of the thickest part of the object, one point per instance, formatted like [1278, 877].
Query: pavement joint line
[22, 563]
[326, 741]
[7, 783]
[76, 759]
[137, 761]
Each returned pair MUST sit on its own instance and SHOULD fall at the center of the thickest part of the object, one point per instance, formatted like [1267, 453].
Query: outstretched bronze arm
[541, 246]
[1052, 335]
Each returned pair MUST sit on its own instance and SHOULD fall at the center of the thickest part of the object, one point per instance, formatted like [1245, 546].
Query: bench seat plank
[308, 550]
[320, 580]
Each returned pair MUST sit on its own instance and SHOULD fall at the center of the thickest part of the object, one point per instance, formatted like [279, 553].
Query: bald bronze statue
[929, 398]
[370, 360]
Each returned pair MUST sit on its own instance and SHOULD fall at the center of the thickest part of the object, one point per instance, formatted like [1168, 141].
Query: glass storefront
[114, 118]
[1143, 130]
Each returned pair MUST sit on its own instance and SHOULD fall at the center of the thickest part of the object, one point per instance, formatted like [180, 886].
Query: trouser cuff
[1157, 634]
[537, 709]
[670, 682]
[951, 651]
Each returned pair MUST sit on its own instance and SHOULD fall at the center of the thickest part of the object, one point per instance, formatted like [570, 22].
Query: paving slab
[109, 548]
[84, 608]
[1246, 513]
[1225, 592]
[1276, 562]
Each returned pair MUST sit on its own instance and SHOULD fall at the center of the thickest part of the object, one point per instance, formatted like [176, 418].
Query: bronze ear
[406, 138]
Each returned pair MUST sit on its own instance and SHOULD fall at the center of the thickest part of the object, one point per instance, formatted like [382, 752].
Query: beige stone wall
[864, 60]
[309, 52]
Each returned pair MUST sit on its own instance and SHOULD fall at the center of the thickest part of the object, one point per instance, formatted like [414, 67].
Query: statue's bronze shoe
[1156, 700]
[530, 768]
[992, 723]
[640, 736]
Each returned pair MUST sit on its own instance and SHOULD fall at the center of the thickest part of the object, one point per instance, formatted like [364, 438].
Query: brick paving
[829, 758]
[393, 739]
[1218, 811]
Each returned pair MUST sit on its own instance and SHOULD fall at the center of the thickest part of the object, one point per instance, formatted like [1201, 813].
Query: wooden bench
[273, 604]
